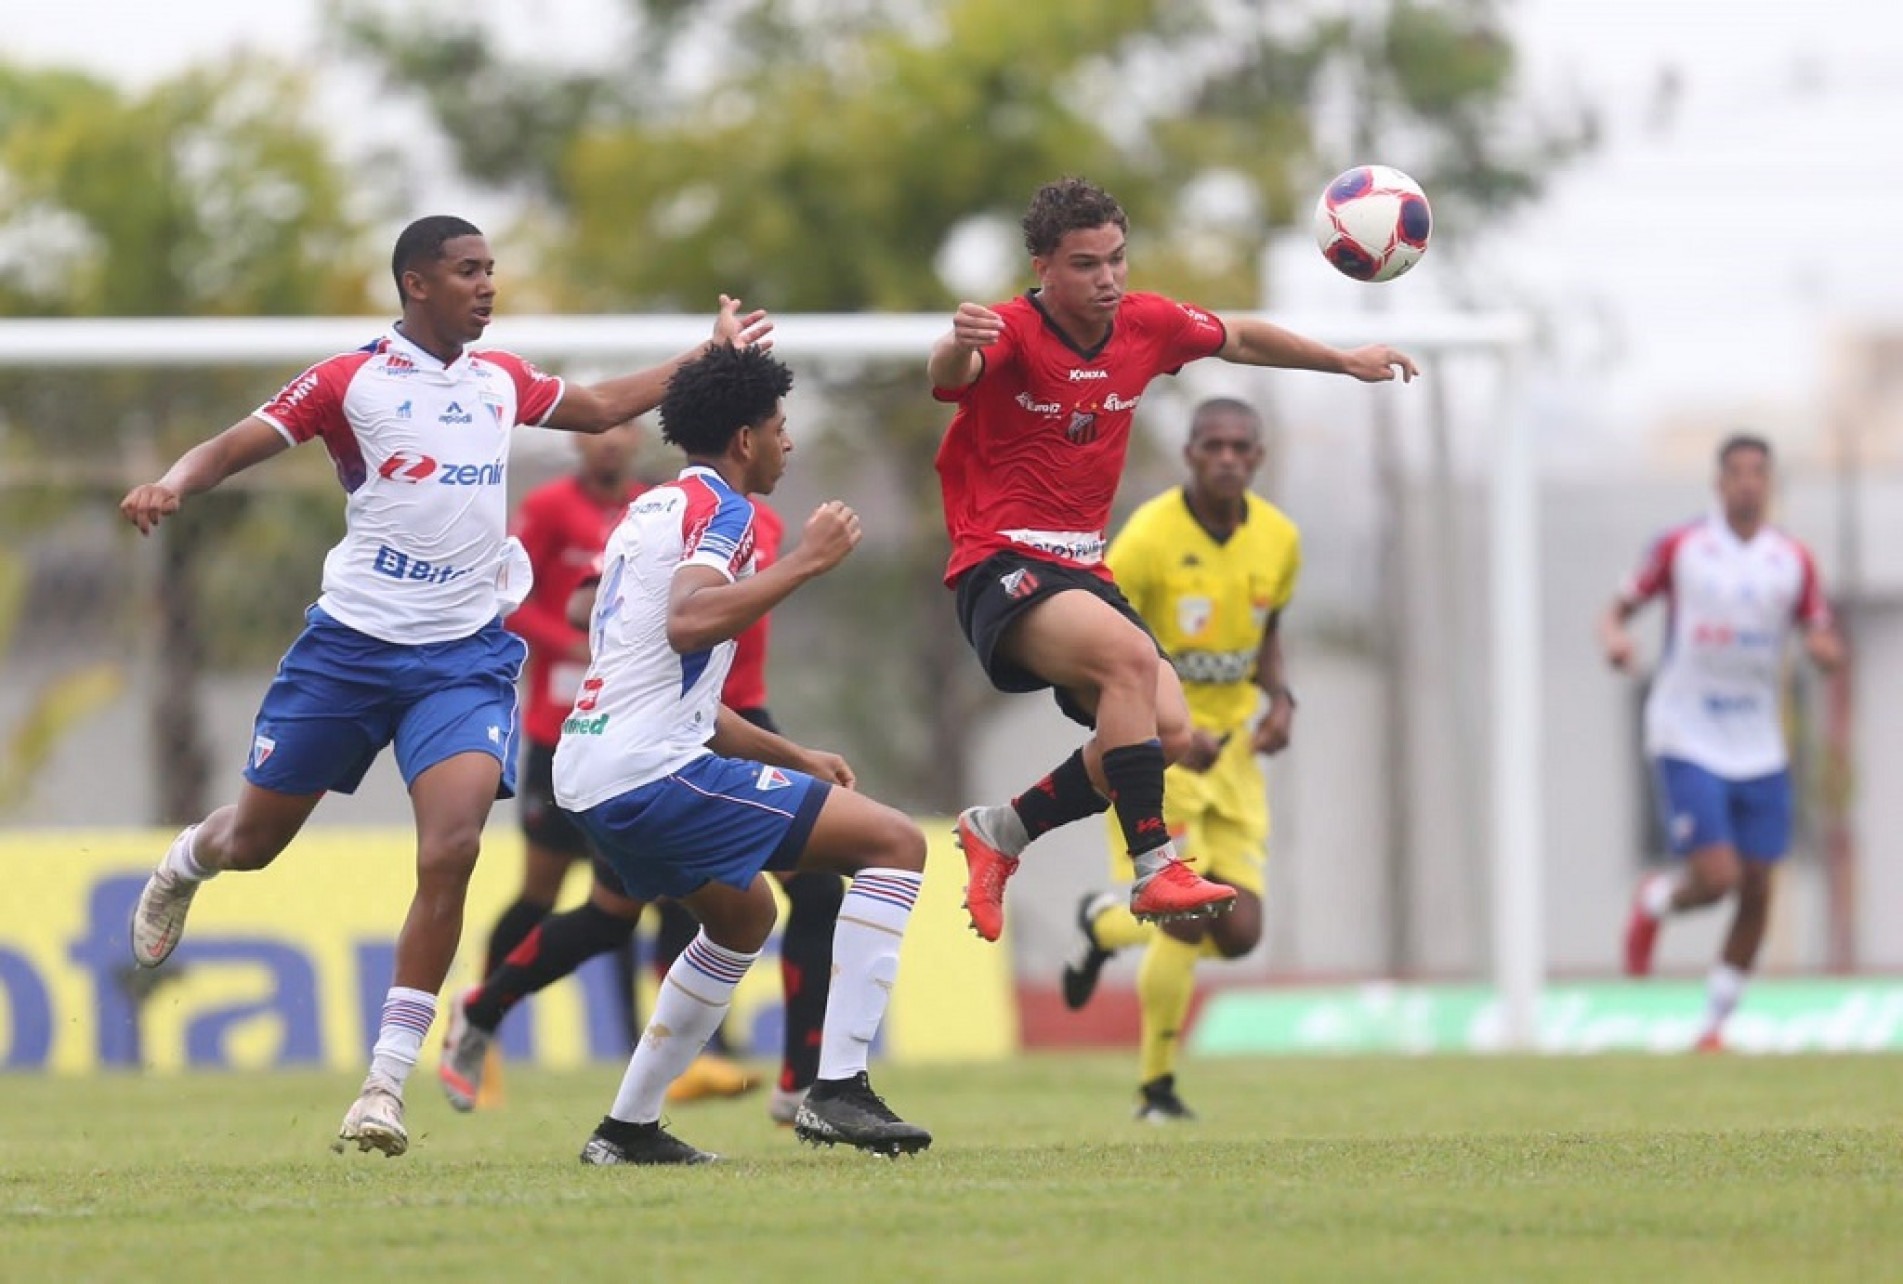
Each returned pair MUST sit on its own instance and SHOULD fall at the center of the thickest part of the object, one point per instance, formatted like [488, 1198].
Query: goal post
[1516, 904]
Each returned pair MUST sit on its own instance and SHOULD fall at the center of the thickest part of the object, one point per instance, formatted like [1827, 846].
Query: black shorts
[994, 593]
[545, 824]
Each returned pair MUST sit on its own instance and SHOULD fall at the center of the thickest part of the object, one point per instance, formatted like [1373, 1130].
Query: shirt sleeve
[1654, 573]
[312, 405]
[1812, 610]
[1191, 333]
[1291, 570]
[536, 393]
[722, 538]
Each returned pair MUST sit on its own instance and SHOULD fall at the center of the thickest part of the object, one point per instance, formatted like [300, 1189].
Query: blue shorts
[715, 820]
[340, 696]
[1701, 809]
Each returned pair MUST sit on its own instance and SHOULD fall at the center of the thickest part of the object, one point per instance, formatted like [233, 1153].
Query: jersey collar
[1050, 323]
[425, 359]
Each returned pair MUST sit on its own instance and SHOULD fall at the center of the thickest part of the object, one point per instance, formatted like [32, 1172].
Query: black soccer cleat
[1086, 965]
[617, 1142]
[1161, 1105]
[848, 1112]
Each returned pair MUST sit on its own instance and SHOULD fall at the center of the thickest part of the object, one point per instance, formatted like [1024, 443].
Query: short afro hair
[424, 240]
[719, 392]
[1068, 205]
[1738, 441]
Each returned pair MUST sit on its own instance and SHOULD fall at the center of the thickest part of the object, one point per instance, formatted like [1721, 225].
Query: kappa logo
[262, 747]
[1080, 376]
[1018, 584]
[772, 778]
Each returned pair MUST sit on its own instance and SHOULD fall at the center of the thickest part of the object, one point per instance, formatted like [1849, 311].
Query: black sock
[806, 971]
[1061, 797]
[1135, 773]
[516, 923]
[626, 981]
[677, 931]
[557, 946]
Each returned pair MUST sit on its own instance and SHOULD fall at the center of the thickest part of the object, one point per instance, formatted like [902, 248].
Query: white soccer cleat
[159, 920]
[465, 1050]
[375, 1122]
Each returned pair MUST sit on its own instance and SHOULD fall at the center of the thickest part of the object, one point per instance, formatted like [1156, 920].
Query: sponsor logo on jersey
[262, 747]
[576, 726]
[1039, 407]
[1079, 376]
[406, 467]
[455, 414]
[1192, 615]
[1114, 402]
[771, 778]
[303, 387]
[397, 363]
[403, 411]
[398, 565]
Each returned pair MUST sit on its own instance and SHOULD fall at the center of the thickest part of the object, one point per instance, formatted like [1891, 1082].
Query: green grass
[1680, 1169]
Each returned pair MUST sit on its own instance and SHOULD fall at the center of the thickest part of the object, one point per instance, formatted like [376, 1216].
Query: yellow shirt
[1208, 603]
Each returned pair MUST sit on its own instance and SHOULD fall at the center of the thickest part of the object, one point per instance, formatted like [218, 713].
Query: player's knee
[448, 856]
[896, 842]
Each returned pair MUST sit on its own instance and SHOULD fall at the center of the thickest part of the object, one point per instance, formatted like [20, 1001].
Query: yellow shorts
[1218, 819]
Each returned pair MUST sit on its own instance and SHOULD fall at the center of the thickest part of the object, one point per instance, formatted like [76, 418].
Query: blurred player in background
[1734, 586]
[1046, 386]
[405, 645]
[1210, 567]
[688, 800]
[560, 943]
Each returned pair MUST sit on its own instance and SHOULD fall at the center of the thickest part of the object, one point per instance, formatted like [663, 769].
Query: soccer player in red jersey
[1046, 386]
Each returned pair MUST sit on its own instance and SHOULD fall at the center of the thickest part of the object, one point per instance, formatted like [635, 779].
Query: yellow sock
[1117, 928]
[1165, 984]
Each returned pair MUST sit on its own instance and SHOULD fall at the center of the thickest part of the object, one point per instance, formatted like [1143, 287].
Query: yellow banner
[288, 967]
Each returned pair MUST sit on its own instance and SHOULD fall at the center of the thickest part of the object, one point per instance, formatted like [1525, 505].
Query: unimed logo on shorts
[573, 726]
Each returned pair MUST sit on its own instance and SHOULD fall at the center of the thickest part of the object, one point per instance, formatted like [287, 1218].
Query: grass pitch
[1680, 1169]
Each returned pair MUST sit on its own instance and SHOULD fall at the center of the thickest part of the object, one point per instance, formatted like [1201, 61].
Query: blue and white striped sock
[407, 1015]
[866, 942]
[694, 998]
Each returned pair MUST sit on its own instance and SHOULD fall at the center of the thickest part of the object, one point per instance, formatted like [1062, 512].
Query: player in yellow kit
[1209, 566]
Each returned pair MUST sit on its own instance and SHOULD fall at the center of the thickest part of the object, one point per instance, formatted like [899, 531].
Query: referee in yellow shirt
[1209, 566]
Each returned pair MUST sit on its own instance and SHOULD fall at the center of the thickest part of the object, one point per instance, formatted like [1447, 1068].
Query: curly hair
[719, 392]
[1067, 205]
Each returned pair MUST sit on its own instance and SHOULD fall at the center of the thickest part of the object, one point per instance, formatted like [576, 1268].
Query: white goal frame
[1517, 899]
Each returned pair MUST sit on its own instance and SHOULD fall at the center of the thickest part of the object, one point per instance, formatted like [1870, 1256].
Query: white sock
[407, 1015]
[1003, 828]
[866, 940]
[694, 998]
[179, 858]
[1655, 896]
[1147, 863]
[1723, 989]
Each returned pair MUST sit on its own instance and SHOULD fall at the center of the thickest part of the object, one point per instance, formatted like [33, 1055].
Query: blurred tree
[824, 157]
[208, 195]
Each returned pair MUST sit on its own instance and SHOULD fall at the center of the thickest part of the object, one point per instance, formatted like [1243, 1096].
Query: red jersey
[564, 530]
[746, 680]
[1032, 458]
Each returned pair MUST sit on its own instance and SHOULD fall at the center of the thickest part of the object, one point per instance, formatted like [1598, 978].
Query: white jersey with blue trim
[422, 449]
[645, 710]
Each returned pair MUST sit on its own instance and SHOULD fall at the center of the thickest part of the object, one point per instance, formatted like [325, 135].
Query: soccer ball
[1372, 223]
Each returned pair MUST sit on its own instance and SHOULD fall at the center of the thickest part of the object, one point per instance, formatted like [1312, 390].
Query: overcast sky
[1703, 258]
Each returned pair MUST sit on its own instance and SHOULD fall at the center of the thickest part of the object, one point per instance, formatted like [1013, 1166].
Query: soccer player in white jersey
[687, 799]
[405, 645]
[1735, 587]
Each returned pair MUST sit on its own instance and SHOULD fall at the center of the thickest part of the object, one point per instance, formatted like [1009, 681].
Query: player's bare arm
[599, 407]
[1271, 674]
[1254, 342]
[1615, 640]
[735, 737]
[704, 608]
[249, 441]
[957, 358]
[1825, 646]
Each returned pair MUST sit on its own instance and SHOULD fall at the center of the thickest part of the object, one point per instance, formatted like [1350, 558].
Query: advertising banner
[1643, 1016]
[288, 967]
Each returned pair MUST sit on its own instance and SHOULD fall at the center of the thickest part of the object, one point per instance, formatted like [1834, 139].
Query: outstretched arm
[1254, 342]
[705, 608]
[599, 407]
[249, 441]
[956, 358]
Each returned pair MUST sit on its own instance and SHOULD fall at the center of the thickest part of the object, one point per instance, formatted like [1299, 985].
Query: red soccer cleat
[1177, 891]
[986, 871]
[1641, 936]
[1710, 1041]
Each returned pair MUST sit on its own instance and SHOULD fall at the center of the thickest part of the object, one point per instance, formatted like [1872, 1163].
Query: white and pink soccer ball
[1372, 223]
